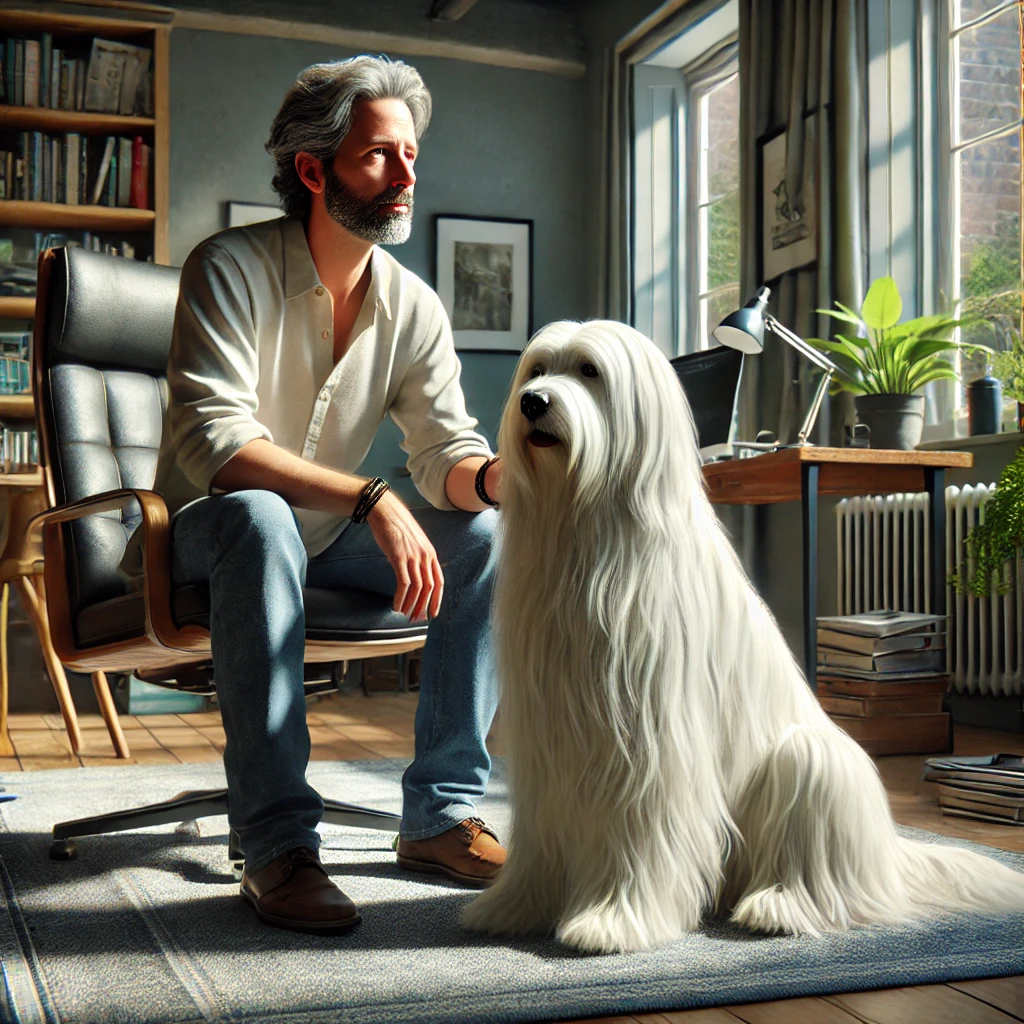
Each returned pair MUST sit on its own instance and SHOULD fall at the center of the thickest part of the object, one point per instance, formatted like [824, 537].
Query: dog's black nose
[534, 404]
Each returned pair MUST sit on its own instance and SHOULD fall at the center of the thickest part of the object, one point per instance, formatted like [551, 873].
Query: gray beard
[362, 217]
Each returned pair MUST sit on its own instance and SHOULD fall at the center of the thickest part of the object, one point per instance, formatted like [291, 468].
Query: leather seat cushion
[348, 616]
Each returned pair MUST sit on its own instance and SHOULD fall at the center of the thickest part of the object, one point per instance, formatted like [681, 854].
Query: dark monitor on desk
[711, 382]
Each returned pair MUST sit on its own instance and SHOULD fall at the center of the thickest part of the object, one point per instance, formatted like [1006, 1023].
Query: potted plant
[1008, 366]
[993, 543]
[885, 363]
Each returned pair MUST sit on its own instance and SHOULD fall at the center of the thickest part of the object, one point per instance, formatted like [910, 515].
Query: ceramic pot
[896, 421]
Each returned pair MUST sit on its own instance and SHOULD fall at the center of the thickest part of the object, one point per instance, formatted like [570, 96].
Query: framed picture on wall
[484, 279]
[789, 224]
[240, 214]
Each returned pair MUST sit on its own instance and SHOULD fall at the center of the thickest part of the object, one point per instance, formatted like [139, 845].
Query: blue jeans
[247, 545]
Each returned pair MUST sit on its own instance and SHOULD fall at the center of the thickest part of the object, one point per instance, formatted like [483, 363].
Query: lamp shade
[744, 329]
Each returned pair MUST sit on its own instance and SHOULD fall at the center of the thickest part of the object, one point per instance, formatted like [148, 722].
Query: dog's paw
[497, 911]
[609, 930]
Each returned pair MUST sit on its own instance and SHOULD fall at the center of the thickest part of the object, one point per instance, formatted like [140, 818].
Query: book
[19, 72]
[834, 639]
[56, 62]
[899, 661]
[72, 165]
[110, 192]
[958, 812]
[889, 675]
[45, 57]
[900, 734]
[982, 797]
[1005, 770]
[136, 67]
[104, 168]
[124, 172]
[104, 76]
[882, 623]
[31, 85]
[140, 174]
[880, 707]
[832, 685]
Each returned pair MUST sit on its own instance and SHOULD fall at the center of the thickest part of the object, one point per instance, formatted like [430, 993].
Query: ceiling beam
[449, 10]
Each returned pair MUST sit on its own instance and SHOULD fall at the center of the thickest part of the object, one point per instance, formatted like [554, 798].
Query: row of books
[14, 353]
[114, 78]
[988, 788]
[881, 678]
[19, 448]
[77, 170]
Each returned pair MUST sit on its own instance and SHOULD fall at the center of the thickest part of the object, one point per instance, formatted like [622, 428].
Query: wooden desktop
[802, 474]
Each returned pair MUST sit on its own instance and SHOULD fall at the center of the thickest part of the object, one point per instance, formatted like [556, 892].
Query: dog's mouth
[540, 439]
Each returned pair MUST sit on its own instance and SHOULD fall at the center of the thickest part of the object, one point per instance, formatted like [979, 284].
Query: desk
[790, 474]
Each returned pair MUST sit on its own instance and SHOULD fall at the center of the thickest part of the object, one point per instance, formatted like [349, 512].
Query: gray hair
[316, 115]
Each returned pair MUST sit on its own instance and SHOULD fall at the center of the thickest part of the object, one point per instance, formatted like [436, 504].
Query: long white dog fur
[666, 755]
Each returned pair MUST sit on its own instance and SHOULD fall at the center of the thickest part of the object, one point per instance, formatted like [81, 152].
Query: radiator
[883, 544]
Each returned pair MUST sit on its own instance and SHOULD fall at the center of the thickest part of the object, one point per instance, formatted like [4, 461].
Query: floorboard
[353, 727]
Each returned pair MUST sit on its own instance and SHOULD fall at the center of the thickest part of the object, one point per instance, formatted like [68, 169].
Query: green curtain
[798, 58]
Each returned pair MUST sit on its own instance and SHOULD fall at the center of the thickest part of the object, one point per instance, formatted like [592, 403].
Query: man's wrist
[481, 483]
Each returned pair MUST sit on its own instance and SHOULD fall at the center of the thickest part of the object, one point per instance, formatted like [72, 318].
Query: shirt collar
[300, 275]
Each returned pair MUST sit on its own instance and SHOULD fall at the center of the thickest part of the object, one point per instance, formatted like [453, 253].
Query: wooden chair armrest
[156, 556]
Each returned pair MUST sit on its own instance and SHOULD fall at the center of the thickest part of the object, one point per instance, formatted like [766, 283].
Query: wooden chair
[102, 334]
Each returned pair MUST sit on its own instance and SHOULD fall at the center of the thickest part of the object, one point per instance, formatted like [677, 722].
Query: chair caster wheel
[63, 849]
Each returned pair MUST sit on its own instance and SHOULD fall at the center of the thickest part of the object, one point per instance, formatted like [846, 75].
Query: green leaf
[848, 318]
[924, 374]
[882, 306]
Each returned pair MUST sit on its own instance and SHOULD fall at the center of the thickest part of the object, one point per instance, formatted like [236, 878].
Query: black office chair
[102, 334]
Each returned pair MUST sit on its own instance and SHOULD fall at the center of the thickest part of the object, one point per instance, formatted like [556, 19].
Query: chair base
[199, 803]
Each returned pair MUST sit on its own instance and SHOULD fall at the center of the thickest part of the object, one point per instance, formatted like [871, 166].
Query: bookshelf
[78, 25]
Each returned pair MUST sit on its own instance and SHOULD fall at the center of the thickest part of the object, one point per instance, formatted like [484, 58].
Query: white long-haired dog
[666, 754]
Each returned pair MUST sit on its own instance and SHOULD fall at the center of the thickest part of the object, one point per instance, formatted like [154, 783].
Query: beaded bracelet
[368, 497]
[481, 493]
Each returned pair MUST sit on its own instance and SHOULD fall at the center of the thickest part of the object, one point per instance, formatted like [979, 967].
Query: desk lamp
[744, 331]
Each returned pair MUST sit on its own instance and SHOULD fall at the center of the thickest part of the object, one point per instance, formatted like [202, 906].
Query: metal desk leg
[809, 488]
[934, 485]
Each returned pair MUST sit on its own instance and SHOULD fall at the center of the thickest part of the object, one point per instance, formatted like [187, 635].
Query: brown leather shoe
[469, 852]
[294, 891]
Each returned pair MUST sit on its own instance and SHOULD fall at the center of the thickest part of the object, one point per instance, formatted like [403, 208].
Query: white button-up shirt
[252, 355]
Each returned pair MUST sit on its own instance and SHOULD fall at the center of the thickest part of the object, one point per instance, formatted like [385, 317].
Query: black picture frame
[483, 274]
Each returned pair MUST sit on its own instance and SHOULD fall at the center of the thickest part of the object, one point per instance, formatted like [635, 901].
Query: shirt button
[325, 335]
[319, 291]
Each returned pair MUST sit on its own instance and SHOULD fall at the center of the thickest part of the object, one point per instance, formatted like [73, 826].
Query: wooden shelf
[21, 407]
[17, 307]
[33, 479]
[23, 213]
[112, 20]
[84, 122]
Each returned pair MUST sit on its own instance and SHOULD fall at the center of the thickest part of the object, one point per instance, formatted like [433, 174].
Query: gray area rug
[147, 928]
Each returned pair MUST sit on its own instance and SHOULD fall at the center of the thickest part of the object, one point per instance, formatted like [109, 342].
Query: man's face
[369, 188]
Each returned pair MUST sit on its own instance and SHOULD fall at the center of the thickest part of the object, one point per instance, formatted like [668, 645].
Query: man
[292, 340]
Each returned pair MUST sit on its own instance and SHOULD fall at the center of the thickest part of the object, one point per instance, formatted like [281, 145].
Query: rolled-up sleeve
[213, 367]
[430, 410]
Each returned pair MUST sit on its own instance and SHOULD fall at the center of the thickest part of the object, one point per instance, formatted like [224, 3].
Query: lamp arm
[818, 358]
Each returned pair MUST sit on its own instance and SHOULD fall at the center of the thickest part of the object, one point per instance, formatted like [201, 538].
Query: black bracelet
[368, 497]
[481, 493]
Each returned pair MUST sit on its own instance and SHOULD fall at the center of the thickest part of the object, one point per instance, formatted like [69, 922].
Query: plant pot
[896, 421]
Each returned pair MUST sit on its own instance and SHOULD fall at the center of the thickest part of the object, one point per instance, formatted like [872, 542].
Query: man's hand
[420, 582]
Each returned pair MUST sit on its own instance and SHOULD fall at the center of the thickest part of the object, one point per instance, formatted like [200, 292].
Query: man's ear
[311, 170]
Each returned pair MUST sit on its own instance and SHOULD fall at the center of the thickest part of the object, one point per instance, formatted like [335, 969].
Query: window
[717, 243]
[686, 210]
[985, 51]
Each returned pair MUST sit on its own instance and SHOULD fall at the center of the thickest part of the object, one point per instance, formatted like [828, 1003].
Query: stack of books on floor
[881, 678]
[989, 788]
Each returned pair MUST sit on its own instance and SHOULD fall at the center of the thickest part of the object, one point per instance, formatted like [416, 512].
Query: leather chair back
[103, 347]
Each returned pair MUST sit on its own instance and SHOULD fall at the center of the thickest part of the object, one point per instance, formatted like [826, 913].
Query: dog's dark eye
[537, 371]
[588, 370]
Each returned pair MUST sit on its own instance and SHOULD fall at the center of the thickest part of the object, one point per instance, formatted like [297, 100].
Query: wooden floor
[354, 727]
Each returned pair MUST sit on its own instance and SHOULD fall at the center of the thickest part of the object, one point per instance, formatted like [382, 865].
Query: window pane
[990, 57]
[723, 114]
[724, 240]
[715, 308]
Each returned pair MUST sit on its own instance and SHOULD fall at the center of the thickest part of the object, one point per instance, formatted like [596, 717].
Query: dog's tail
[820, 852]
